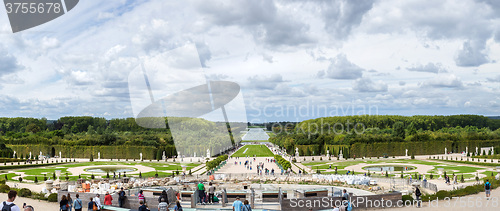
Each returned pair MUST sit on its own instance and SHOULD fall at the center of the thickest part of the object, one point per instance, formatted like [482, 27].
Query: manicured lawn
[253, 150]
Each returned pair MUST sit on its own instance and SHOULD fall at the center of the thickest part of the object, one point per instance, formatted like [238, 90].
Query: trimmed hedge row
[107, 152]
[416, 148]
[28, 166]
[285, 165]
[214, 163]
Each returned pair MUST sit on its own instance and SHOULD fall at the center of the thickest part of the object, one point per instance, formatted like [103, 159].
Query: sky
[294, 60]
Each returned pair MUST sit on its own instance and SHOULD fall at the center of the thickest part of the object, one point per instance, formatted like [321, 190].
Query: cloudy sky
[294, 60]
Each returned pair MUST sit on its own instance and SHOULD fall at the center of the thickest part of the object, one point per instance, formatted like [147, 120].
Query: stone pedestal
[49, 184]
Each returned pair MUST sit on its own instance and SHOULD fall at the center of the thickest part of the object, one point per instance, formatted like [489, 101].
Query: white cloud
[445, 81]
[341, 68]
[429, 67]
[367, 85]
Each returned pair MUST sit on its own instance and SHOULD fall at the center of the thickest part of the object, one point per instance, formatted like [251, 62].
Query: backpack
[246, 208]
[487, 186]
[7, 207]
[122, 195]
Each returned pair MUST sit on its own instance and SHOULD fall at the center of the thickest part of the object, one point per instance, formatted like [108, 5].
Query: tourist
[121, 197]
[91, 205]
[177, 206]
[10, 202]
[335, 208]
[237, 204]
[345, 195]
[143, 206]
[418, 194]
[63, 204]
[141, 196]
[163, 205]
[163, 196]
[211, 193]
[108, 199]
[29, 208]
[97, 201]
[201, 192]
[487, 189]
[246, 206]
[70, 202]
[77, 203]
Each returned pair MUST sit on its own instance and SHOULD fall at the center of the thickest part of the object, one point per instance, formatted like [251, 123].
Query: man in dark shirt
[143, 207]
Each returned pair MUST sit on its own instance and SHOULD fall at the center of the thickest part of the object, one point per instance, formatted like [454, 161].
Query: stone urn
[49, 184]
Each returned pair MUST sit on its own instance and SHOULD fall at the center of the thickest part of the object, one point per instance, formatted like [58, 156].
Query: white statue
[141, 155]
[194, 154]
[406, 153]
[60, 156]
[14, 155]
[466, 150]
[208, 153]
[98, 155]
[40, 154]
[445, 151]
[164, 157]
[30, 155]
[476, 150]
[327, 153]
[297, 151]
[341, 156]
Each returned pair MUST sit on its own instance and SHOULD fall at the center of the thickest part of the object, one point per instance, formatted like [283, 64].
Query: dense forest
[388, 135]
[115, 138]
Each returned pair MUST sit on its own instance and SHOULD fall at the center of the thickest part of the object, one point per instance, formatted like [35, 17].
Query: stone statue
[208, 153]
[140, 155]
[60, 155]
[98, 155]
[327, 153]
[406, 154]
[164, 157]
[445, 151]
[297, 151]
[476, 150]
[30, 155]
[466, 150]
[14, 155]
[194, 154]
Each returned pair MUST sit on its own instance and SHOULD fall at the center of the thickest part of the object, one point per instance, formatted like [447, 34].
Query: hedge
[107, 152]
[215, 162]
[285, 165]
[28, 166]
[417, 148]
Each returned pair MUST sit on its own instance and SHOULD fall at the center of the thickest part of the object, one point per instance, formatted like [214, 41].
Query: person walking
[211, 193]
[163, 196]
[9, 204]
[91, 204]
[143, 206]
[108, 199]
[97, 201]
[70, 202]
[246, 206]
[237, 204]
[141, 196]
[487, 189]
[201, 192]
[121, 197]
[162, 206]
[177, 206]
[417, 195]
[77, 203]
[63, 204]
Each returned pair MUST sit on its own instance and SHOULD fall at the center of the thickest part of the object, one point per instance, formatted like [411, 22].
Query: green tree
[398, 130]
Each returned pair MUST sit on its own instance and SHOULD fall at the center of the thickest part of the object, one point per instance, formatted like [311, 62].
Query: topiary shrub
[4, 188]
[36, 179]
[2, 182]
[20, 179]
[25, 192]
[52, 197]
